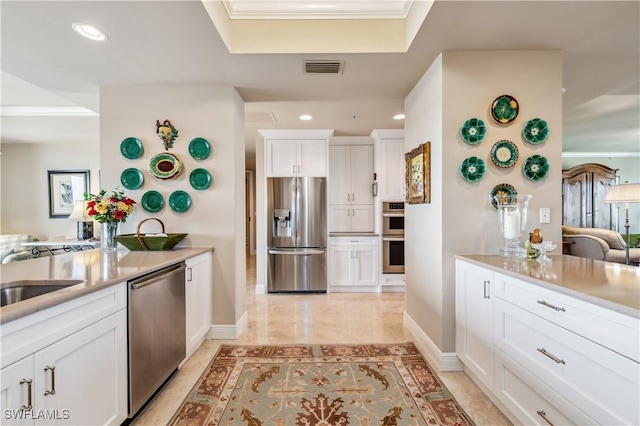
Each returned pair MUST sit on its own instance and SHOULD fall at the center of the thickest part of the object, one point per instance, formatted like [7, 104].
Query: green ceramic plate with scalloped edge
[152, 201]
[131, 148]
[501, 188]
[472, 169]
[199, 148]
[179, 201]
[535, 131]
[504, 154]
[200, 179]
[473, 131]
[504, 109]
[535, 167]
[132, 178]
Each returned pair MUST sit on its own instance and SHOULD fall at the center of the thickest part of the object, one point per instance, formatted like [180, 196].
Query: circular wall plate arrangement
[199, 148]
[473, 131]
[500, 189]
[504, 154]
[504, 109]
[179, 201]
[132, 178]
[200, 179]
[472, 169]
[165, 166]
[131, 148]
[535, 131]
[152, 201]
[535, 167]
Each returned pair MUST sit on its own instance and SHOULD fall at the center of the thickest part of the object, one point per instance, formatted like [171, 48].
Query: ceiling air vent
[323, 67]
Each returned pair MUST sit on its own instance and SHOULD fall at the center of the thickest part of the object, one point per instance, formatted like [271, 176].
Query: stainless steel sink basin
[18, 291]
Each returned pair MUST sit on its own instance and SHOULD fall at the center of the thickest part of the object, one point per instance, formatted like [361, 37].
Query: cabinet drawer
[618, 332]
[530, 400]
[353, 241]
[602, 383]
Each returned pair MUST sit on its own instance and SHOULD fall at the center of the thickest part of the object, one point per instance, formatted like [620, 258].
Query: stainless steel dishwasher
[157, 335]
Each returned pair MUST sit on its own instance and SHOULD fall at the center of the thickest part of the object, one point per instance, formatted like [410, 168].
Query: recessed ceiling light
[305, 117]
[398, 117]
[88, 31]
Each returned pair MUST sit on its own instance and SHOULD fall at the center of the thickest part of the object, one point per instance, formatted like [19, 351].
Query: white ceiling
[175, 43]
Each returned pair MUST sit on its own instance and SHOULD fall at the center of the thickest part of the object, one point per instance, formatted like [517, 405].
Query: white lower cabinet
[198, 300]
[553, 361]
[353, 263]
[79, 380]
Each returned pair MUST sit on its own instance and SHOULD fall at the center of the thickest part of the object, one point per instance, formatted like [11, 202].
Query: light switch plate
[545, 215]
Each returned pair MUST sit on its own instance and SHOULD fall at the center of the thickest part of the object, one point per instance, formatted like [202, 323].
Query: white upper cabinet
[299, 157]
[390, 164]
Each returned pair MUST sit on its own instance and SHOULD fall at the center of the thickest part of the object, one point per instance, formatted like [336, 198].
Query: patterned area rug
[319, 385]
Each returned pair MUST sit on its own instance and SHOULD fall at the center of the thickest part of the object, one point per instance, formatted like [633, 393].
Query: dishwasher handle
[157, 276]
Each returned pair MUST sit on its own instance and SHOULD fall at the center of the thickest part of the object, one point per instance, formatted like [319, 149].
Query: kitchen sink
[17, 291]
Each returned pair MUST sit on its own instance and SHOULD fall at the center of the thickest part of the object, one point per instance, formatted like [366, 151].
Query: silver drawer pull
[544, 352]
[542, 414]
[29, 405]
[485, 294]
[53, 381]
[549, 305]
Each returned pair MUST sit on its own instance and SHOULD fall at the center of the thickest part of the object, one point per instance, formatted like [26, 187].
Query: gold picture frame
[418, 174]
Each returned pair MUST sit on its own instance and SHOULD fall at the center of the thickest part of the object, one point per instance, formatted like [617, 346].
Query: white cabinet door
[312, 157]
[281, 157]
[361, 172]
[341, 265]
[339, 175]
[474, 320]
[85, 374]
[366, 266]
[16, 392]
[340, 218]
[198, 300]
[392, 170]
[361, 218]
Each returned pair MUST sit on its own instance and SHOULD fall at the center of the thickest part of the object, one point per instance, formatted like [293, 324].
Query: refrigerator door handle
[296, 252]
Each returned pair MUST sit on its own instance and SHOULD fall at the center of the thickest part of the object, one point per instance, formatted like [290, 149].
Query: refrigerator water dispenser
[281, 223]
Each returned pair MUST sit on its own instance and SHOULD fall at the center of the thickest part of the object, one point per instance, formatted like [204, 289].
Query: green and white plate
[132, 178]
[473, 131]
[179, 201]
[504, 154]
[199, 148]
[131, 148]
[152, 201]
[499, 189]
[504, 109]
[535, 167]
[535, 131]
[200, 179]
[472, 169]
[165, 166]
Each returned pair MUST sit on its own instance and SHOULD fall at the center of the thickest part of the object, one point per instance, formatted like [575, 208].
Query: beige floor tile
[314, 318]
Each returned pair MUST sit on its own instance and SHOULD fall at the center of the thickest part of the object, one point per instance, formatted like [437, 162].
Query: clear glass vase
[108, 238]
[512, 210]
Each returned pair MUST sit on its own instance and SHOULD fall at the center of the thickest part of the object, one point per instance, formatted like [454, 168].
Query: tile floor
[321, 318]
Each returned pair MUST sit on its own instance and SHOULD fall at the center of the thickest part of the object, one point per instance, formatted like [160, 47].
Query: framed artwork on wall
[66, 187]
[418, 174]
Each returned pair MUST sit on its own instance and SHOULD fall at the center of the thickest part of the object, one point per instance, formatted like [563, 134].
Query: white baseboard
[390, 288]
[445, 361]
[229, 332]
[261, 289]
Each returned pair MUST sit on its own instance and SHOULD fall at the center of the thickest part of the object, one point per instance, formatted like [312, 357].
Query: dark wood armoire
[584, 188]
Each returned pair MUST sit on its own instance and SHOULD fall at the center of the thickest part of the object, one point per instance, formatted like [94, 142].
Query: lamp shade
[623, 193]
[79, 212]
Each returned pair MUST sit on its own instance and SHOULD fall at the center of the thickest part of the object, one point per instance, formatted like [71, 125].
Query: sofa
[597, 243]
[12, 250]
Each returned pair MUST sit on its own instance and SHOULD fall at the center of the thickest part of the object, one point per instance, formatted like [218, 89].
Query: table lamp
[85, 226]
[624, 193]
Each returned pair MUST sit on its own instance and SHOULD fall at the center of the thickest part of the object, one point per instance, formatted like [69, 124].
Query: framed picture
[418, 174]
[66, 187]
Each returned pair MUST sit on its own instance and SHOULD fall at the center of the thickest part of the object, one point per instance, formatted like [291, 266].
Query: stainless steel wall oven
[392, 238]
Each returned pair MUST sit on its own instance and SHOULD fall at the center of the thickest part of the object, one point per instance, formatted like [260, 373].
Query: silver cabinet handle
[298, 169]
[190, 277]
[53, 381]
[544, 352]
[549, 305]
[486, 290]
[29, 405]
[294, 169]
[542, 414]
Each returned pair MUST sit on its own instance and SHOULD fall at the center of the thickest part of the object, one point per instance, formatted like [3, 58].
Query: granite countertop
[96, 269]
[610, 285]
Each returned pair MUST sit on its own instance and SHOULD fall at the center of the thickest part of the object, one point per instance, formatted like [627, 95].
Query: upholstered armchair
[597, 243]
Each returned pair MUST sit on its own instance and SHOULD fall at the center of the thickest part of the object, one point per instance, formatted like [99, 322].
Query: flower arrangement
[109, 208]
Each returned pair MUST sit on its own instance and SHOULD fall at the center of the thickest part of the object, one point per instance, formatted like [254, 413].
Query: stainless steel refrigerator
[296, 234]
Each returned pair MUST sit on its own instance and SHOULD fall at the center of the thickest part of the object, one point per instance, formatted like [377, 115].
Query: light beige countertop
[610, 285]
[353, 234]
[96, 269]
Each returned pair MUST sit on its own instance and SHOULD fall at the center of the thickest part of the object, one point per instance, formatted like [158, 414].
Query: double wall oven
[392, 237]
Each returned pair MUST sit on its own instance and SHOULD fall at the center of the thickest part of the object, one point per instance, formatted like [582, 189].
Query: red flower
[114, 200]
[91, 204]
[118, 214]
[128, 201]
[92, 211]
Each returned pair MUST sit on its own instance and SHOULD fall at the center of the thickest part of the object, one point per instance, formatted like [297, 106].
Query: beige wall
[460, 218]
[215, 217]
[25, 193]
